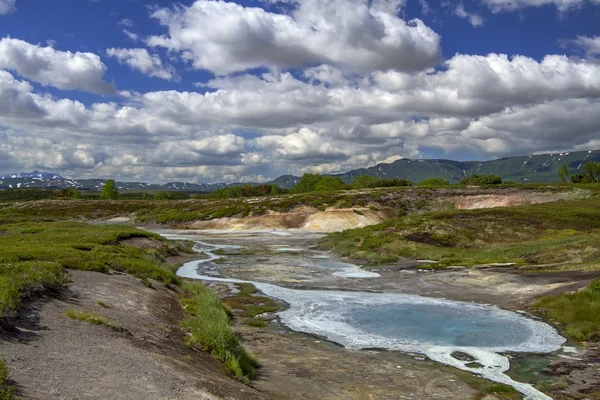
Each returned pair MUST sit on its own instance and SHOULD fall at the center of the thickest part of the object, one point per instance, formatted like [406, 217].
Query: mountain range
[539, 168]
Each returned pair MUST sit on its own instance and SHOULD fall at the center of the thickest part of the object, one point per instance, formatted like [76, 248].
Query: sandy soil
[54, 357]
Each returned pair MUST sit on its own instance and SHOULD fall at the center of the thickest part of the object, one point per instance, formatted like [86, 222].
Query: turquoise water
[439, 324]
[434, 327]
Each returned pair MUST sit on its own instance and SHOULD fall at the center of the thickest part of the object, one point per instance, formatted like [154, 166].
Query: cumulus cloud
[141, 60]
[7, 6]
[61, 69]
[356, 35]
[512, 5]
[474, 19]
[247, 127]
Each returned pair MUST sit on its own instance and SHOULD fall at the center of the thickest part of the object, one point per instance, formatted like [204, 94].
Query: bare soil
[53, 357]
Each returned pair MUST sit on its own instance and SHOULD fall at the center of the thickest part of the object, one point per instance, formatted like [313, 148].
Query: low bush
[478, 180]
[369, 182]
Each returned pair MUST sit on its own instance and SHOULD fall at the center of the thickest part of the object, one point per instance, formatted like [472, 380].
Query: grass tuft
[209, 330]
[90, 318]
[6, 390]
[258, 323]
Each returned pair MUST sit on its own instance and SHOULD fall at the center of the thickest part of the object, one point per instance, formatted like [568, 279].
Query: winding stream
[435, 327]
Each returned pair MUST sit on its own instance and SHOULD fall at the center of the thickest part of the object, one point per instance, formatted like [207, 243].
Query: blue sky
[216, 91]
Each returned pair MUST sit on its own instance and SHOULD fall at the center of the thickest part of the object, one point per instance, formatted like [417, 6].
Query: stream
[437, 328]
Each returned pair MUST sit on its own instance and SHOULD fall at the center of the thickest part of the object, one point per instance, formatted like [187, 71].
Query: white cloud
[248, 127]
[61, 69]
[590, 45]
[512, 5]
[474, 19]
[126, 22]
[7, 6]
[141, 60]
[356, 35]
[133, 36]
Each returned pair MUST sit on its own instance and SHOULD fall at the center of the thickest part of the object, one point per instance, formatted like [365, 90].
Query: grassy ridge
[208, 325]
[565, 233]
[33, 256]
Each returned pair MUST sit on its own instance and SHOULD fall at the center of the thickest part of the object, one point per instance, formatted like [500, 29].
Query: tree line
[589, 173]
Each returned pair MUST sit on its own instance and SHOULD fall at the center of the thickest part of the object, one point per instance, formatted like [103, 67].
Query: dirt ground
[298, 366]
[53, 357]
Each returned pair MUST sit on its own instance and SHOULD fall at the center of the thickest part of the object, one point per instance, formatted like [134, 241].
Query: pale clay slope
[340, 219]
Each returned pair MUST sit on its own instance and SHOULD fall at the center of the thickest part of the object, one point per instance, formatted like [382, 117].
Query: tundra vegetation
[35, 257]
[557, 236]
[40, 240]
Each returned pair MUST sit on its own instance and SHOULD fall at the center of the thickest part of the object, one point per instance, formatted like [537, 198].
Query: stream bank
[297, 269]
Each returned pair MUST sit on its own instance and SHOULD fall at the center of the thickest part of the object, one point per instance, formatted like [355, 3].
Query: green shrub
[368, 181]
[165, 195]
[109, 190]
[478, 180]
[434, 182]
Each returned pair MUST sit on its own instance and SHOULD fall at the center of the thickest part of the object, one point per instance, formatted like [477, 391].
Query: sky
[218, 91]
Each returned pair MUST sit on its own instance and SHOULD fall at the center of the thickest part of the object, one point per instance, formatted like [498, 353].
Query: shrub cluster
[478, 180]
[233, 192]
[368, 181]
[590, 173]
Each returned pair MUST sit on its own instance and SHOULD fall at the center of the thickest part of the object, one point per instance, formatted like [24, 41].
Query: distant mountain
[542, 168]
[34, 175]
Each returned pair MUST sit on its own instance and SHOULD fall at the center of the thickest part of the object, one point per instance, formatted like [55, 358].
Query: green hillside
[542, 168]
